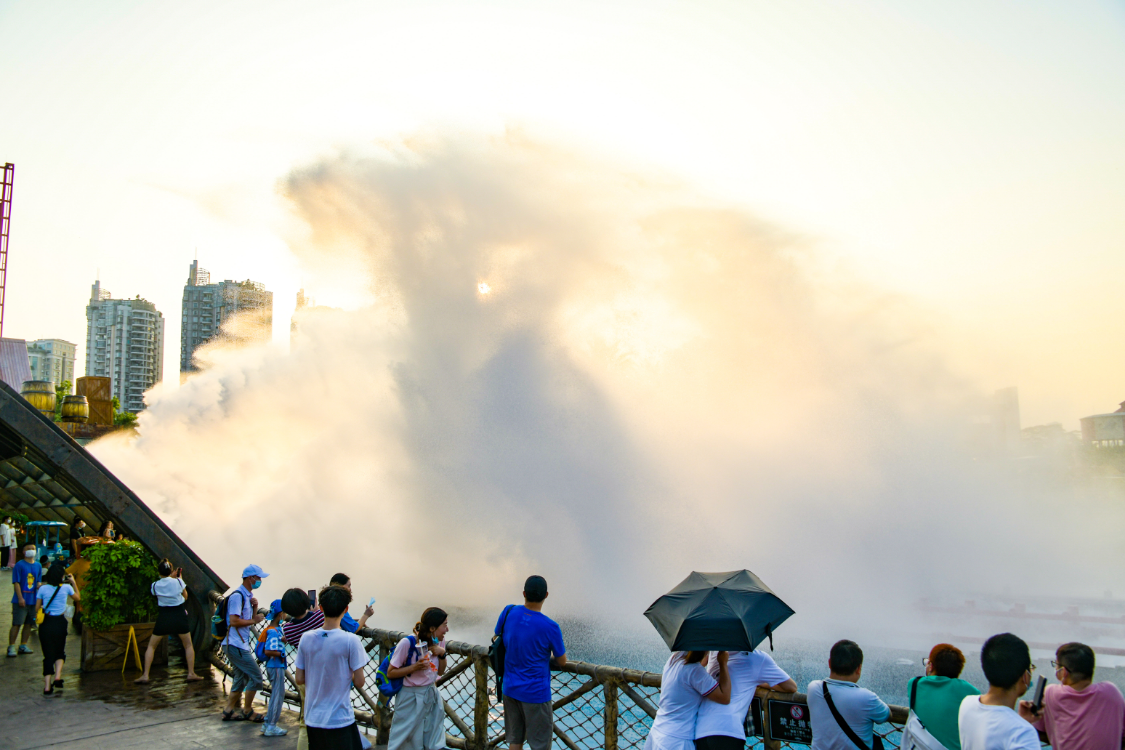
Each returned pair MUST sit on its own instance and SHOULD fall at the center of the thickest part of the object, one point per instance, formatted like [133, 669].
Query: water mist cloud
[652, 384]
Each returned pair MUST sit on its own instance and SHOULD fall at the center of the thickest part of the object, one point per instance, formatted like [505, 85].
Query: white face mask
[29, 554]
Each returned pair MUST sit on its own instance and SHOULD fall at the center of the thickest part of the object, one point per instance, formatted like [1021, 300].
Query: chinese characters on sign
[789, 722]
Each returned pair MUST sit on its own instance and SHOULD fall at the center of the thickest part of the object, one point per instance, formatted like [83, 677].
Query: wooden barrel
[41, 395]
[75, 409]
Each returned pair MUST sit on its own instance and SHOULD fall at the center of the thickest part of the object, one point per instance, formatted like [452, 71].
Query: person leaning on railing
[936, 698]
[841, 713]
[990, 721]
[721, 726]
[419, 721]
[684, 685]
[1080, 714]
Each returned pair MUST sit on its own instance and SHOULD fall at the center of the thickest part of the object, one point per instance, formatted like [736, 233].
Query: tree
[122, 418]
[62, 390]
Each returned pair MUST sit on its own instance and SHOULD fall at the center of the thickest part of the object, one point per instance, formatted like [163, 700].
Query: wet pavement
[104, 710]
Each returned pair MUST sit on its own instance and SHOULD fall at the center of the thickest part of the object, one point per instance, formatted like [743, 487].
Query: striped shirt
[295, 629]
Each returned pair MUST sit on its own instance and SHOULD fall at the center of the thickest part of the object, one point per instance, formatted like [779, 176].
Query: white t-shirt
[993, 727]
[169, 592]
[7, 536]
[748, 670]
[58, 606]
[329, 657]
[683, 687]
[859, 707]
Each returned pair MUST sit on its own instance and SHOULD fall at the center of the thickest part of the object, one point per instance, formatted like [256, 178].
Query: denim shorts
[22, 615]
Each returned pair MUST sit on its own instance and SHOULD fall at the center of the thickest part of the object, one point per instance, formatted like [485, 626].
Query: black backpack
[220, 623]
[496, 653]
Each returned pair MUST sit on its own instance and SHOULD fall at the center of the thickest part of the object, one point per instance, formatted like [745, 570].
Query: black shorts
[344, 738]
[172, 621]
[719, 742]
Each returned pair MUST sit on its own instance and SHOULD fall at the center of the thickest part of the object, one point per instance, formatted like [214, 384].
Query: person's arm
[300, 676]
[558, 662]
[357, 678]
[73, 588]
[19, 595]
[721, 693]
[237, 621]
[558, 648]
[357, 661]
[789, 686]
[401, 655]
[363, 620]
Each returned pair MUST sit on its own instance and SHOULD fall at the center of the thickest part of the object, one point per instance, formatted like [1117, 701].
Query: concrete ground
[105, 710]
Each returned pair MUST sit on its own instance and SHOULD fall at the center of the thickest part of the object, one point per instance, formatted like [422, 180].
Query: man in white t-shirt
[721, 727]
[330, 661]
[990, 721]
[859, 708]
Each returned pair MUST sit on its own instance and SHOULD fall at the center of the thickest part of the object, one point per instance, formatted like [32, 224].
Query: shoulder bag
[877, 744]
[915, 736]
[496, 653]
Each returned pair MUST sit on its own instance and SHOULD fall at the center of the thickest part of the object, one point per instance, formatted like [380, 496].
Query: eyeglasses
[926, 661]
[1058, 665]
[1031, 670]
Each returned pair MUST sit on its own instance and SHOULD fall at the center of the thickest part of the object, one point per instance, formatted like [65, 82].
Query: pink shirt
[422, 677]
[1093, 719]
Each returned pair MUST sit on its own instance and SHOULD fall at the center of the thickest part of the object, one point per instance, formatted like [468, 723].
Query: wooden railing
[595, 706]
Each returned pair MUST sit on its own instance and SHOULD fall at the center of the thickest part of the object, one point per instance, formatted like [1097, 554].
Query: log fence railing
[595, 706]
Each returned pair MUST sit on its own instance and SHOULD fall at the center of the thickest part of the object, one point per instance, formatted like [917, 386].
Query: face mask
[256, 584]
[30, 554]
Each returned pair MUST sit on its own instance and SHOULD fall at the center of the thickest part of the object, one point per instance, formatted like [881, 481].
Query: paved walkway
[105, 710]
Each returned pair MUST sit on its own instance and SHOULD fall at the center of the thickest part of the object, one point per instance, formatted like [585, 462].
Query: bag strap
[52, 600]
[840, 719]
[913, 691]
[503, 622]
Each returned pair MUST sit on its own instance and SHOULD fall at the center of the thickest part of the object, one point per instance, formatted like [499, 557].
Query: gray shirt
[239, 637]
[860, 707]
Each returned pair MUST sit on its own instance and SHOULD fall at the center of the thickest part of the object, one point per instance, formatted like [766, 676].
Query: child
[302, 619]
[419, 722]
[275, 668]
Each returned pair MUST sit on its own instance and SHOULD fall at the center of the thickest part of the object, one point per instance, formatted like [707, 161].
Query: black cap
[535, 588]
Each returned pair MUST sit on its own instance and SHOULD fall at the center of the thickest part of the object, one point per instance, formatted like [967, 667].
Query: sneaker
[273, 730]
[11, 650]
[24, 649]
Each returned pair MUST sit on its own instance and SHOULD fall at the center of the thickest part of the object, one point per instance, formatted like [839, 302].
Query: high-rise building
[125, 343]
[52, 359]
[235, 312]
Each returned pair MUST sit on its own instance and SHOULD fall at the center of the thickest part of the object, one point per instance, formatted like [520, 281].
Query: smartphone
[312, 598]
[1037, 696]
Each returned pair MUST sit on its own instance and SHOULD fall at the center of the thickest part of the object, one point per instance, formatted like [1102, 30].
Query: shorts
[343, 738]
[22, 615]
[247, 675]
[172, 621]
[532, 723]
[719, 742]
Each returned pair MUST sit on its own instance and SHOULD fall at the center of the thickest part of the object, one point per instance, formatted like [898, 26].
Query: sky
[964, 157]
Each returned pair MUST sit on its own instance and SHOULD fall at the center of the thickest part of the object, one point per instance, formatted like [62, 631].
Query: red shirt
[1091, 719]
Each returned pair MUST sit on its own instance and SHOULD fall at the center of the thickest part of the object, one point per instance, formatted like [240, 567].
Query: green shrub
[117, 585]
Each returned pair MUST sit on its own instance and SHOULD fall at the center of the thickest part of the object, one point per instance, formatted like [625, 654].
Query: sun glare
[483, 288]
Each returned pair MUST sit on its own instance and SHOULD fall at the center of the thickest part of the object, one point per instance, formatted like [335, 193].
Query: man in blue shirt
[859, 708]
[348, 623]
[533, 644]
[25, 580]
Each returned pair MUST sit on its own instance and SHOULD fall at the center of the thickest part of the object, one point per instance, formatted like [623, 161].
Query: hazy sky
[967, 156]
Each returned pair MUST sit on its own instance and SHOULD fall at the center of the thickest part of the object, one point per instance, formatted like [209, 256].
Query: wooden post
[481, 704]
[610, 714]
[767, 743]
[383, 715]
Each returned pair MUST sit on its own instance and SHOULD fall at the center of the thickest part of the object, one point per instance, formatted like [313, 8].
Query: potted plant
[115, 598]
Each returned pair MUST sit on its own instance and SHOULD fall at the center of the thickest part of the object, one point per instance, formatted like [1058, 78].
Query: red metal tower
[5, 219]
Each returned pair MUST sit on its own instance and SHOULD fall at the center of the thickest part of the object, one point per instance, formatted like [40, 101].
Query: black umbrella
[718, 612]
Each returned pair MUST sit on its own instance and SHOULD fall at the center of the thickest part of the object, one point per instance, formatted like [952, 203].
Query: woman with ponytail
[419, 720]
[684, 686]
[171, 594]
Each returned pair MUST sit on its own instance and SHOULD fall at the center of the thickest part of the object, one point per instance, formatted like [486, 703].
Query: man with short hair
[330, 661]
[348, 623]
[990, 721]
[533, 644]
[26, 575]
[1080, 714]
[242, 613]
[859, 708]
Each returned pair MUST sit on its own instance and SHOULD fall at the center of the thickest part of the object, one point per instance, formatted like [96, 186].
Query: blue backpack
[386, 685]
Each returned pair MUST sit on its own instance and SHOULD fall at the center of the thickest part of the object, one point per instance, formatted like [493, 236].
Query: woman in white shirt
[171, 594]
[51, 598]
[722, 726]
[684, 685]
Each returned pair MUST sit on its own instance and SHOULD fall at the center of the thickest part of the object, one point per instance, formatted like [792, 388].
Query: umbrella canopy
[718, 612]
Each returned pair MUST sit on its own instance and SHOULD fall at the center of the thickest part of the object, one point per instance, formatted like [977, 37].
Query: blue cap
[275, 608]
[254, 570]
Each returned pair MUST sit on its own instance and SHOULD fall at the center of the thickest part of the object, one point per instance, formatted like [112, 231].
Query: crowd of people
[704, 698]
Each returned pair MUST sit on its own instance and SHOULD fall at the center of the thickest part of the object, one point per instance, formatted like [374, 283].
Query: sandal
[49, 692]
[58, 684]
[253, 717]
[229, 716]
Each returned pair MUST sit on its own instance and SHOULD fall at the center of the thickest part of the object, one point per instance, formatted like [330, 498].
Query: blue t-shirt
[348, 623]
[530, 640]
[274, 643]
[27, 575]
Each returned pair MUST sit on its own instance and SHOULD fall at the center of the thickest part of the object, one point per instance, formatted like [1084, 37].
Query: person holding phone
[171, 595]
[51, 599]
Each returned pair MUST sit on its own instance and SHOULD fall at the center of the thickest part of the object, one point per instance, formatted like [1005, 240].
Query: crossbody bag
[877, 743]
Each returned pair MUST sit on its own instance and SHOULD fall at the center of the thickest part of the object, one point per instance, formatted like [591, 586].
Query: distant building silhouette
[235, 312]
[1105, 430]
[125, 343]
[52, 360]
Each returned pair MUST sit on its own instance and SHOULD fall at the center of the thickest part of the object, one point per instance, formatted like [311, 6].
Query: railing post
[610, 687]
[481, 704]
[383, 733]
[767, 743]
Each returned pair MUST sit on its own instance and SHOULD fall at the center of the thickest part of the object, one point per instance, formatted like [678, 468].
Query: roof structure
[14, 365]
[47, 476]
